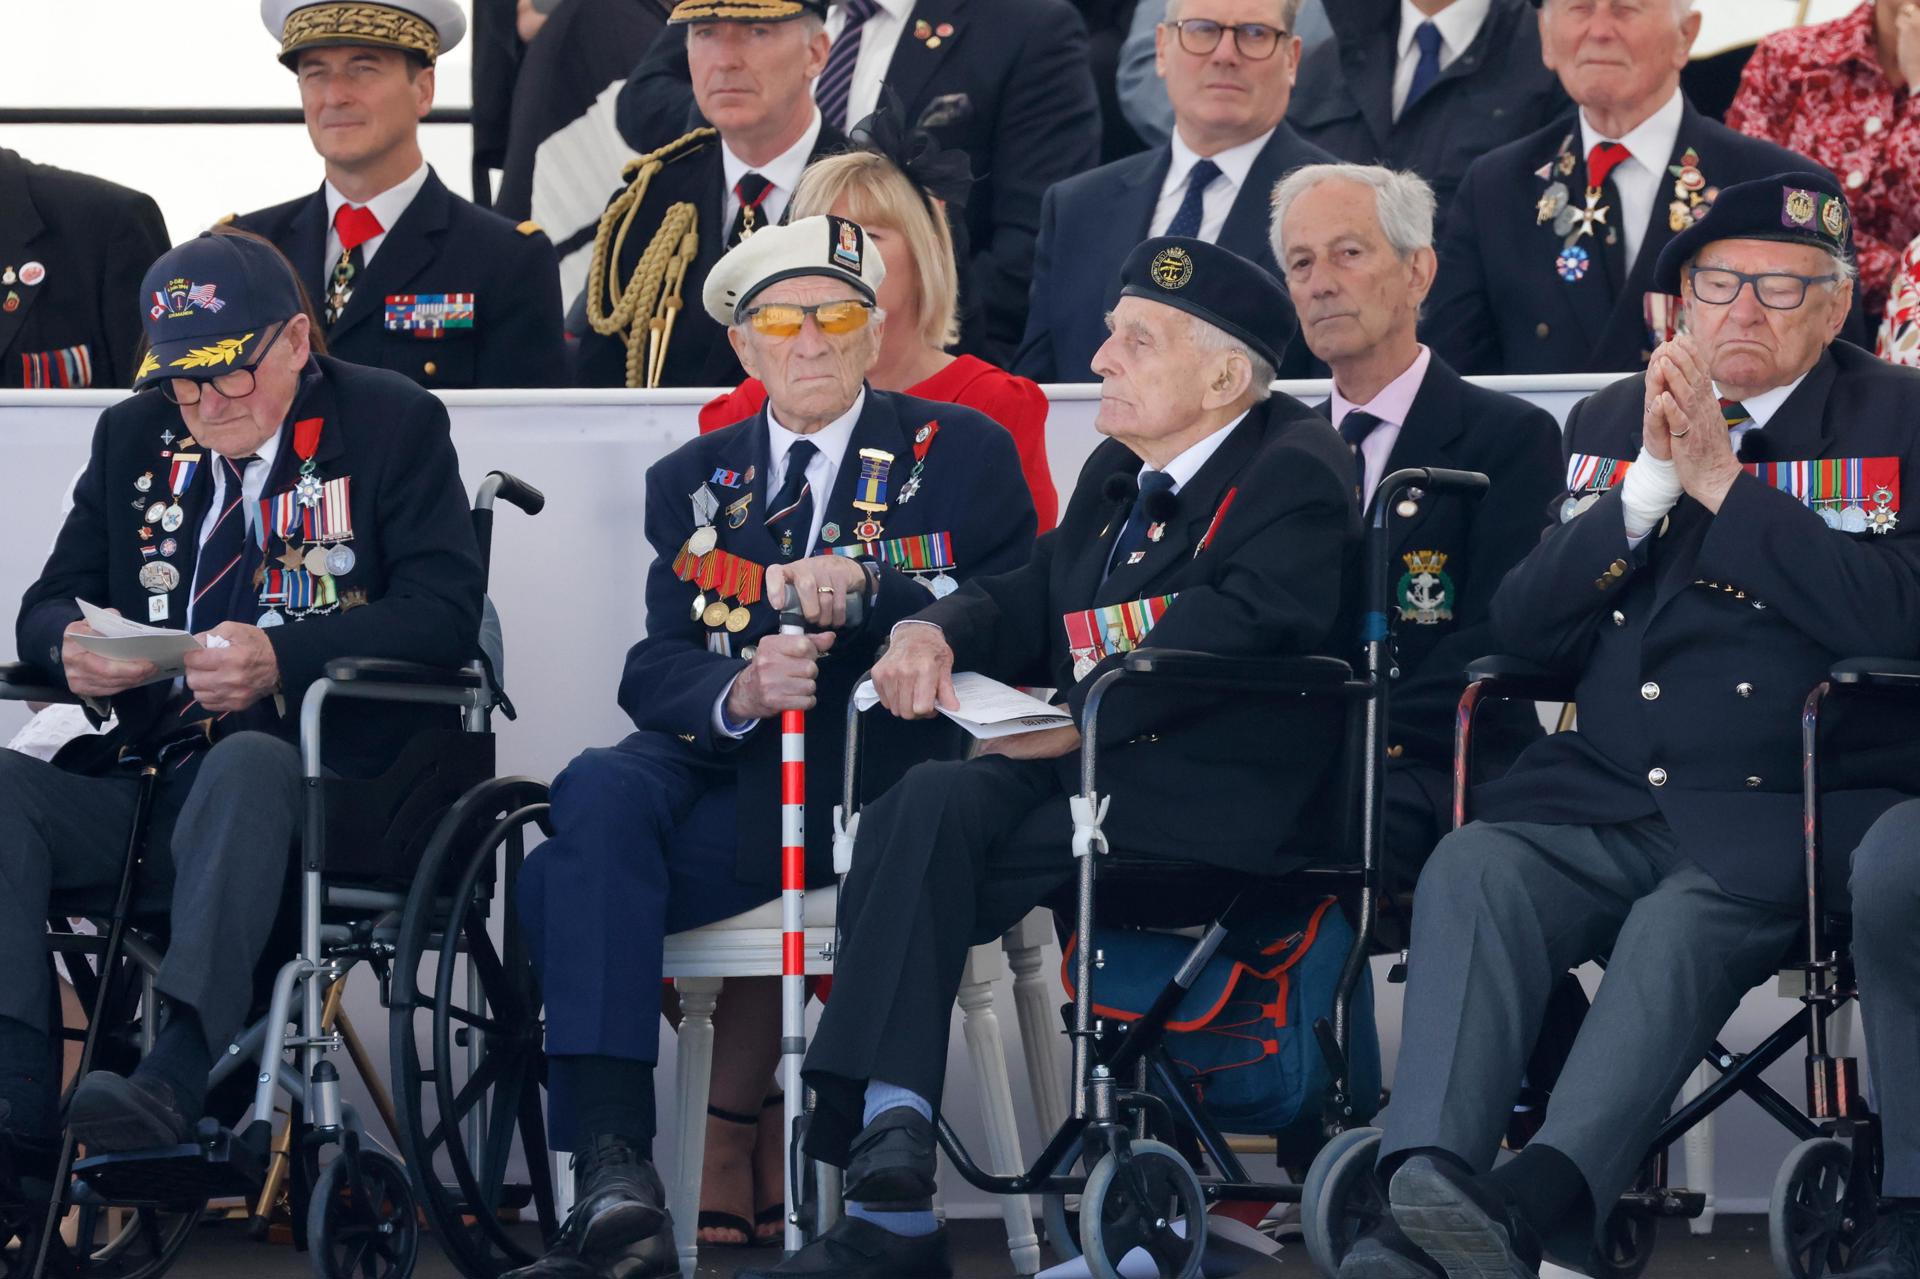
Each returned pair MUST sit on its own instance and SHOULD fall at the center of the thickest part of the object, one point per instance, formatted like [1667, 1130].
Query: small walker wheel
[1342, 1198]
[1809, 1226]
[362, 1223]
[1145, 1202]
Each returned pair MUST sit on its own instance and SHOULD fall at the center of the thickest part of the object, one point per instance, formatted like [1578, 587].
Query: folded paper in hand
[988, 708]
[130, 641]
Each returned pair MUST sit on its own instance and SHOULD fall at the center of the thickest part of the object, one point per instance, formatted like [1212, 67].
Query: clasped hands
[1684, 424]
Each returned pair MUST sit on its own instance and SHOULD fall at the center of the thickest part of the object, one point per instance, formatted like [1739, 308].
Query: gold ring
[826, 590]
[1679, 435]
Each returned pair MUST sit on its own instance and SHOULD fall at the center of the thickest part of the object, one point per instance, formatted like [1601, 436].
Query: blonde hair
[876, 191]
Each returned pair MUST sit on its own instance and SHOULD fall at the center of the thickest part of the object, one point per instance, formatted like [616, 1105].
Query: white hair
[1681, 8]
[1211, 337]
[1403, 202]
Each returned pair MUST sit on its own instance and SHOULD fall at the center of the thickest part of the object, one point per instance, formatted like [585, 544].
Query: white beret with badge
[818, 246]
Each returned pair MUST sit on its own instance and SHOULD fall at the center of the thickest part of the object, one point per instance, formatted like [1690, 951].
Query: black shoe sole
[1449, 1227]
[1381, 1263]
[617, 1229]
[109, 1115]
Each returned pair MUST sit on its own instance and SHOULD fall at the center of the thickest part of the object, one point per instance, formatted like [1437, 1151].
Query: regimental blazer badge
[1426, 593]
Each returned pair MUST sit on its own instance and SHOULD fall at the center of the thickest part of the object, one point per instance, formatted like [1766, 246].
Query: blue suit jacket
[971, 488]
[1088, 225]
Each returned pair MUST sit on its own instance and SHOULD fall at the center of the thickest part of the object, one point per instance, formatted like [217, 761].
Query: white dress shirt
[783, 171]
[879, 37]
[1459, 25]
[387, 206]
[1641, 179]
[1391, 405]
[1235, 163]
[1184, 467]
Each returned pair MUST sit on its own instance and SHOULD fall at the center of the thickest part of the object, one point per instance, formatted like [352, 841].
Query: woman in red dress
[908, 224]
[1842, 93]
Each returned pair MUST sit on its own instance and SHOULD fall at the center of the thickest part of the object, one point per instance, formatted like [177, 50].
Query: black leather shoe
[652, 1258]
[1468, 1229]
[856, 1249]
[893, 1159]
[1385, 1252]
[619, 1227]
[112, 1114]
[1889, 1250]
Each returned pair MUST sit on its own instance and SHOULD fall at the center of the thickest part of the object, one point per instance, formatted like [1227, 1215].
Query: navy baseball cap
[208, 305]
[1791, 208]
[1219, 286]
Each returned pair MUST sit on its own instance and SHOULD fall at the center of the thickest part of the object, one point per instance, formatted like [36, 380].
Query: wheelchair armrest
[20, 682]
[1290, 674]
[382, 670]
[1517, 677]
[1886, 673]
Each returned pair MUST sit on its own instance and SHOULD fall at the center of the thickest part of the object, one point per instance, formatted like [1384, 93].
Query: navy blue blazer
[441, 244]
[1694, 653]
[1501, 305]
[971, 488]
[1088, 225]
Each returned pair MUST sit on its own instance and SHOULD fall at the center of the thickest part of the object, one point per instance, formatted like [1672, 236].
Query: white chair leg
[562, 1185]
[693, 1063]
[1025, 944]
[1699, 1148]
[982, 1027]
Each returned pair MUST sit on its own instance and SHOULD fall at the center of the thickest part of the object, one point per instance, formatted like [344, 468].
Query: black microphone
[1162, 505]
[1120, 487]
[1756, 445]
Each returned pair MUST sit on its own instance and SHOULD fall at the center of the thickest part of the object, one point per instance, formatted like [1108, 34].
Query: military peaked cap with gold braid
[424, 28]
[745, 10]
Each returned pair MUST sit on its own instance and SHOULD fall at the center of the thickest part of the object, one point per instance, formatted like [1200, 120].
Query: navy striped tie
[835, 85]
[790, 513]
[223, 588]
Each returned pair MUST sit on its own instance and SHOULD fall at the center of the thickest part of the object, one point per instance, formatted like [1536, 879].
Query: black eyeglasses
[234, 384]
[1201, 36]
[1776, 290]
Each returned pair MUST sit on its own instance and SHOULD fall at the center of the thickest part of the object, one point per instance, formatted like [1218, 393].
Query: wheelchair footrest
[1670, 1202]
[217, 1164]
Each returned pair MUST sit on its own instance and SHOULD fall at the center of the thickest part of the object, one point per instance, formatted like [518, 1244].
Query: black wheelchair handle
[511, 489]
[1878, 672]
[1459, 483]
[790, 615]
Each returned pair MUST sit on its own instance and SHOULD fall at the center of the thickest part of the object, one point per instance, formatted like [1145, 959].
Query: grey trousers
[1502, 910]
[1886, 915]
[223, 872]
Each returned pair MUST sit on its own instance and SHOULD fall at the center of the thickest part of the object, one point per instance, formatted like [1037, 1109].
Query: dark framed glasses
[785, 319]
[1776, 290]
[1201, 36]
[234, 384]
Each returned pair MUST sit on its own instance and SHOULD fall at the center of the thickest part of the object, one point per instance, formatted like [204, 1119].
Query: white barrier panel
[569, 587]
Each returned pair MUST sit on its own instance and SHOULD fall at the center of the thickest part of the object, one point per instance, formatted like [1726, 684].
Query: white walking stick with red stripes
[793, 926]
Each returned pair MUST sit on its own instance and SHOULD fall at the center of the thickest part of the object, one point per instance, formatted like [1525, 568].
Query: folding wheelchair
[1824, 1197]
[1138, 1135]
[398, 872]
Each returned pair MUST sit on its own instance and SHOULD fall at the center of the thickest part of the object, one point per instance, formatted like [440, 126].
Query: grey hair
[1289, 12]
[1681, 8]
[1403, 202]
[1211, 337]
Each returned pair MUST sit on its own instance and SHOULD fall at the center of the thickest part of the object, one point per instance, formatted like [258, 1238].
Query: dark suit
[77, 324]
[698, 353]
[1497, 90]
[1088, 225]
[441, 244]
[678, 825]
[1500, 304]
[1446, 560]
[1010, 87]
[958, 852]
[224, 820]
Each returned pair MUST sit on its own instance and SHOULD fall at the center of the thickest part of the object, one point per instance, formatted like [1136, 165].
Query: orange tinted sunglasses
[784, 319]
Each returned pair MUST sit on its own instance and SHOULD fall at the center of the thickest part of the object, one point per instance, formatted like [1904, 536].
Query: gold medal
[716, 613]
[737, 620]
[315, 561]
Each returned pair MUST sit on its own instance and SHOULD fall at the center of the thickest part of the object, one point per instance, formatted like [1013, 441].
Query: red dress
[1819, 90]
[1013, 402]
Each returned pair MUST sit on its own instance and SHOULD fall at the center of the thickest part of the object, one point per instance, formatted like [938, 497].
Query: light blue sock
[908, 1225]
[882, 1097]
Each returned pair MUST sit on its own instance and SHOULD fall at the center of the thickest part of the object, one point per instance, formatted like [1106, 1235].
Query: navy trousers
[644, 845]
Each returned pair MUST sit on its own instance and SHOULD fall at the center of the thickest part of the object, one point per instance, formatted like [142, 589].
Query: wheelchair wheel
[108, 1243]
[1341, 1198]
[1810, 1230]
[466, 1033]
[1629, 1235]
[1146, 1202]
[362, 1223]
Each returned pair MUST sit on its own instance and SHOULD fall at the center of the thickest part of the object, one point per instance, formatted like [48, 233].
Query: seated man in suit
[833, 489]
[1547, 254]
[1357, 246]
[1137, 82]
[1426, 85]
[235, 460]
[1696, 601]
[1229, 67]
[696, 195]
[1223, 510]
[410, 277]
[1006, 82]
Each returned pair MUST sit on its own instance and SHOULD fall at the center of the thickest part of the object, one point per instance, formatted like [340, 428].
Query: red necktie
[1603, 160]
[355, 226]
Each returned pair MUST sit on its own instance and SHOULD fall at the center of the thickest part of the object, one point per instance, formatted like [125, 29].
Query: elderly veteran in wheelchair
[286, 509]
[860, 504]
[1755, 539]
[1222, 510]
